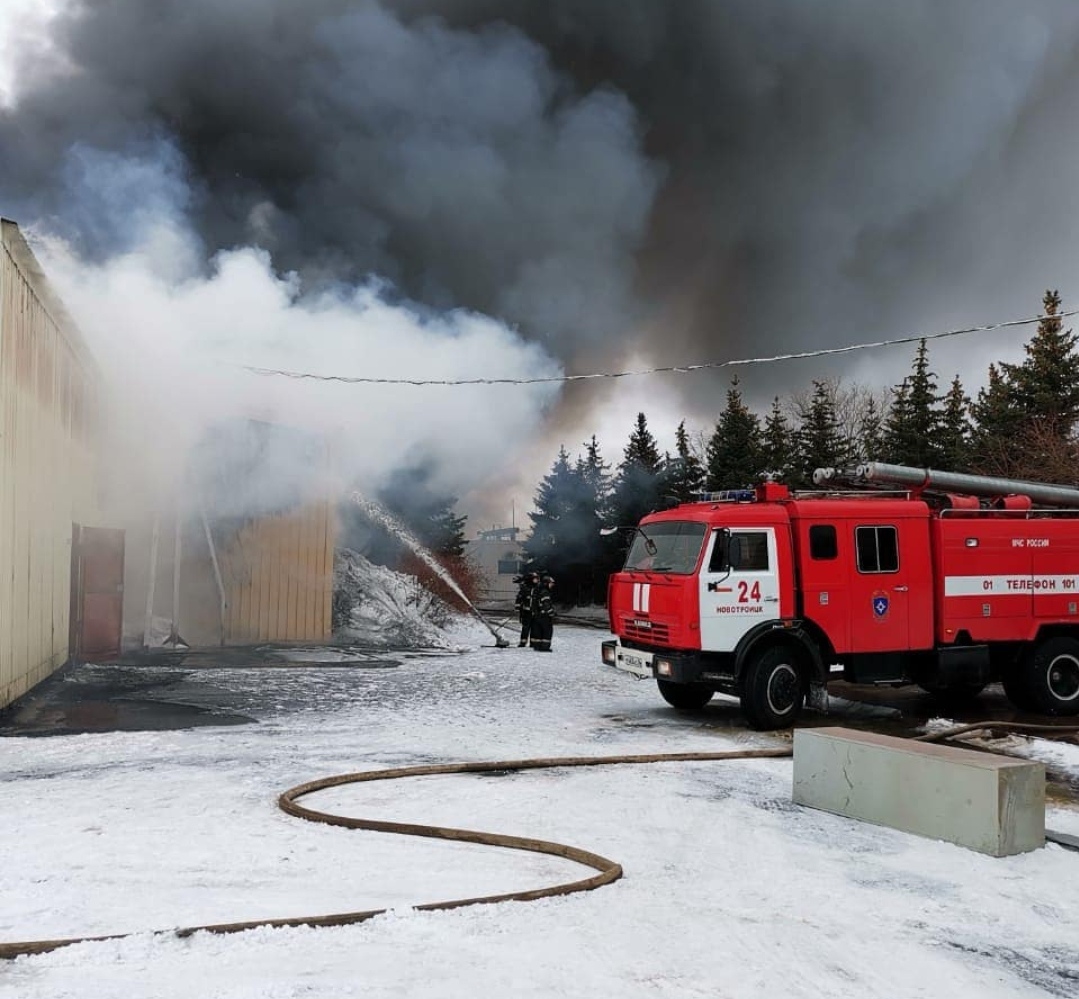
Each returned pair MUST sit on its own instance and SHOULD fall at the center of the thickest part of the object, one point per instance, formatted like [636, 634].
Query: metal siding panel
[290, 551]
[279, 581]
[240, 592]
[293, 525]
[44, 473]
[284, 540]
[304, 533]
[261, 595]
[7, 672]
[326, 623]
[267, 573]
[302, 569]
[313, 558]
[279, 603]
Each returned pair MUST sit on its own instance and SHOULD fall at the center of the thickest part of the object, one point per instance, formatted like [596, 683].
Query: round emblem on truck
[880, 605]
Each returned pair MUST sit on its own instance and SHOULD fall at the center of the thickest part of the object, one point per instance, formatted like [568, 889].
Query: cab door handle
[900, 589]
[771, 600]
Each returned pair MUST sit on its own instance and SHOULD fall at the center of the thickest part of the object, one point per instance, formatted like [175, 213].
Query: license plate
[632, 660]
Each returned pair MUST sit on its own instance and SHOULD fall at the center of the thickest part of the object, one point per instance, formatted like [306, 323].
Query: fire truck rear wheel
[684, 696]
[774, 688]
[1052, 675]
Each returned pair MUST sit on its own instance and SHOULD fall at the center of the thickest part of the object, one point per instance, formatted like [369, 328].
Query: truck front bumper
[632, 661]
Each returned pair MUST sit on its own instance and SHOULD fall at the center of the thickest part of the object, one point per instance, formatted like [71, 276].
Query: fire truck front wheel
[1052, 676]
[684, 696]
[774, 688]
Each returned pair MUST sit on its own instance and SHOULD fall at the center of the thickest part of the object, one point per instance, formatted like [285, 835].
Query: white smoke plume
[174, 340]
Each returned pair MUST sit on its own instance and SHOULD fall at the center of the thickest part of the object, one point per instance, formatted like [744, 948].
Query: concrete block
[987, 803]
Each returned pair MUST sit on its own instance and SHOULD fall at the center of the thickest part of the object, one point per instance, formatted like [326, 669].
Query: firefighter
[543, 615]
[523, 603]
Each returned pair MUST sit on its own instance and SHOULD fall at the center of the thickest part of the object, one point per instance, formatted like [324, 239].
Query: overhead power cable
[666, 369]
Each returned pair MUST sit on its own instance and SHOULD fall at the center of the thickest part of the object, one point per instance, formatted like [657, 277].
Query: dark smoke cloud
[697, 179]
[840, 169]
[457, 164]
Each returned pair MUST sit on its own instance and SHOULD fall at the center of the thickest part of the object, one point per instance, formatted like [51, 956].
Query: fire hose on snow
[607, 870]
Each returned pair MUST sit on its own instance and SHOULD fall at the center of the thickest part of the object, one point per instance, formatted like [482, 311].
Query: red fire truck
[887, 575]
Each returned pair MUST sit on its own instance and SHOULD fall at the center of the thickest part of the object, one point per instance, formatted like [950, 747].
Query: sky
[403, 188]
[728, 887]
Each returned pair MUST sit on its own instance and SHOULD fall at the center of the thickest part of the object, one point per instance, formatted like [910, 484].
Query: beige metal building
[224, 568]
[48, 460]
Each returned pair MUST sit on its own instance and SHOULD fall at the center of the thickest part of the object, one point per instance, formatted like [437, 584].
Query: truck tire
[684, 696]
[1051, 674]
[773, 688]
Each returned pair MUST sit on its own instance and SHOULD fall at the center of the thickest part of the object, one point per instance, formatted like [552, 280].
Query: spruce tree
[683, 474]
[911, 432]
[1026, 415]
[1046, 384]
[819, 440]
[953, 450]
[870, 442]
[596, 474]
[604, 553]
[563, 525]
[444, 531]
[637, 484]
[894, 439]
[733, 457]
[997, 426]
[777, 444]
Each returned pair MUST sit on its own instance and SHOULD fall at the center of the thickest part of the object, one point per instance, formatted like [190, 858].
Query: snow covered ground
[729, 890]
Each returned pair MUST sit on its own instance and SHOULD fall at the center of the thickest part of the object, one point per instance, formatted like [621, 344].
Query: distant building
[499, 555]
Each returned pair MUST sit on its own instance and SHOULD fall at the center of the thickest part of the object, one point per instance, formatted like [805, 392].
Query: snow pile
[375, 605]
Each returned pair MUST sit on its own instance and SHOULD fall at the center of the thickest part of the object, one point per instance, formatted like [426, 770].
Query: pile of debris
[374, 605]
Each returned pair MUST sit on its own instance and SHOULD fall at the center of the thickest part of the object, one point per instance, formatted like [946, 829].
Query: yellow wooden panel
[280, 586]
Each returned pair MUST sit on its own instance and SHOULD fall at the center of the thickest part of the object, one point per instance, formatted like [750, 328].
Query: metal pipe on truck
[879, 472]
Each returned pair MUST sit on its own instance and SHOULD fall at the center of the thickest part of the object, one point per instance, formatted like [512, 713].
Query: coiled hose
[608, 870]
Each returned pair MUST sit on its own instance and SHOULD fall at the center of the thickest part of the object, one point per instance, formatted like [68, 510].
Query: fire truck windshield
[670, 546]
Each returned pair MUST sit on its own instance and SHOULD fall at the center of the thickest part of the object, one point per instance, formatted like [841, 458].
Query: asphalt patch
[81, 699]
[149, 692]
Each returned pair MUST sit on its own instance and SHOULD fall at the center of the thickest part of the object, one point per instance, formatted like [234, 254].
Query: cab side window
[749, 551]
[877, 548]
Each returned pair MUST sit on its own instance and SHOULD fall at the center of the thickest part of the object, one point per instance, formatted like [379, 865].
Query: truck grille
[648, 632]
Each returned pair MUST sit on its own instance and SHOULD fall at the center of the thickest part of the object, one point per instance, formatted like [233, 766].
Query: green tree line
[1022, 424]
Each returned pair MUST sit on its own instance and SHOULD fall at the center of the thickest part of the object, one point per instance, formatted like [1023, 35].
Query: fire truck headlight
[663, 667]
[608, 653]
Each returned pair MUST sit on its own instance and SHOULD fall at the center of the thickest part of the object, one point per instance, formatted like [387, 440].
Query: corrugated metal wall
[278, 575]
[47, 415]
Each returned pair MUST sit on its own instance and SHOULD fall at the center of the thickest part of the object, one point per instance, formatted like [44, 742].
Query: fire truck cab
[766, 595]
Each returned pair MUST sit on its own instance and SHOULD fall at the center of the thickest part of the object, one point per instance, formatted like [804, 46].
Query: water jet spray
[378, 515]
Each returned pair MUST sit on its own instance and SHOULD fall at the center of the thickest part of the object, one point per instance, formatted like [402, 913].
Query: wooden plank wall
[47, 424]
[278, 574]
